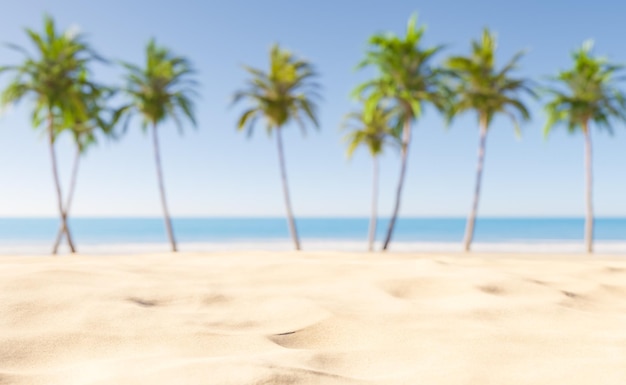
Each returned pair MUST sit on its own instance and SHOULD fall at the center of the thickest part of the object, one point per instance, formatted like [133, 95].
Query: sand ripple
[312, 318]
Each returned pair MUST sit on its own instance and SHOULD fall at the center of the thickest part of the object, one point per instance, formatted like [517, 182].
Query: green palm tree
[84, 127]
[48, 78]
[284, 94]
[161, 90]
[406, 78]
[587, 93]
[482, 88]
[373, 130]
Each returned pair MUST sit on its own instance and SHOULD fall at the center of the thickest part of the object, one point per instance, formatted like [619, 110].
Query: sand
[313, 318]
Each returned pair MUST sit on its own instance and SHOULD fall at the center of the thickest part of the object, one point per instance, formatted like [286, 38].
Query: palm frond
[478, 86]
[56, 77]
[286, 92]
[405, 73]
[587, 92]
[371, 128]
[163, 88]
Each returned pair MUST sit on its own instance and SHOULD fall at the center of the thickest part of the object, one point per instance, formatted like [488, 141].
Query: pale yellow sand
[313, 318]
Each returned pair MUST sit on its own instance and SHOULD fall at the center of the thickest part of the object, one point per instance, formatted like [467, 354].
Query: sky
[215, 171]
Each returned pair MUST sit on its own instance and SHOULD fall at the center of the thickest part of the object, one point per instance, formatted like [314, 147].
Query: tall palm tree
[407, 78]
[161, 90]
[488, 91]
[84, 127]
[587, 93]
[373, 130]
[48, 78]
[284, 94]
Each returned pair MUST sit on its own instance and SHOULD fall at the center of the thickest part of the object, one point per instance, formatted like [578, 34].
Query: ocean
[130, 235]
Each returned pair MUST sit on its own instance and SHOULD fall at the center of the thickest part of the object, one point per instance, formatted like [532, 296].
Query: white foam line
[609, 247]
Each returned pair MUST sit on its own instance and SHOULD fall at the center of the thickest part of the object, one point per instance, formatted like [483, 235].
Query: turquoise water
[109, 234]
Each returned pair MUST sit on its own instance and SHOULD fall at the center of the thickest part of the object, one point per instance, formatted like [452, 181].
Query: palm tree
[48, 78]
[84, 127]
[489, 92]
[161, 90]
[587, 93]
[283, 94]
[405, 77]
[371, 129]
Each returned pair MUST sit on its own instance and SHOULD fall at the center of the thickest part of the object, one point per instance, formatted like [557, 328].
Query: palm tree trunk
[68, 201]
[471, 220]
[588, 191]
[372, 230]
[166, 214]
[283, 173]
[406, 138]
[57, 185]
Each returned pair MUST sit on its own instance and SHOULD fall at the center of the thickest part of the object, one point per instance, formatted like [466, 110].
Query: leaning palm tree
[487, 91]
[407, 78]
[373, 130]
[161, 90]
[284, 94]
[48, 78]
[84, 127]
[587, 93]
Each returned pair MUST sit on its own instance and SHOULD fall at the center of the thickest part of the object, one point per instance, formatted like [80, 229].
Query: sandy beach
[313, 318]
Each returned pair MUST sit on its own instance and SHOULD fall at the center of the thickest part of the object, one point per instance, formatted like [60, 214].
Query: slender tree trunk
[471, 220]
[372, 230]
[406, 138]
[588, 190]
[283, 174]
[68, 201]
[57, 185]
[166, 213]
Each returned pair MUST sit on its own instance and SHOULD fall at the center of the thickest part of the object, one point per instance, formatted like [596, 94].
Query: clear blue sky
[216, 171]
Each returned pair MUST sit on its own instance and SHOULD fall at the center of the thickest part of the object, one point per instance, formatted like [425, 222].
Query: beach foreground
[313, 318]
